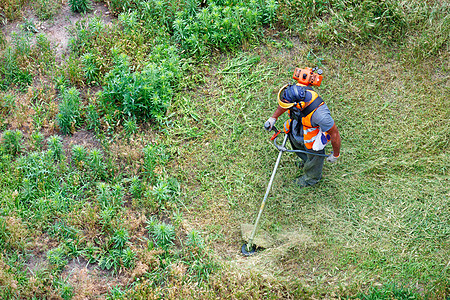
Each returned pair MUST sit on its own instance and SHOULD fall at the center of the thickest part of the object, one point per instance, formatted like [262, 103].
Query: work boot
[300, 181]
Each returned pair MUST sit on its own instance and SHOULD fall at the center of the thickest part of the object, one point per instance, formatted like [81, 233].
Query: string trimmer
[249, 248]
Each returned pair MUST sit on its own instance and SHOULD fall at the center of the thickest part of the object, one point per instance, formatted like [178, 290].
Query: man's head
[290, 95]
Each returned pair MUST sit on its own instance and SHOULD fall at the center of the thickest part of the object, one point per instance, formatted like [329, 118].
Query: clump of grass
[37, 139]
[389, 291]
[79, 155]
[13, 73]
[69, 116]
[92, 118]
[217, 26]
[57, 258]
[91, 71]
[96, 164]
[117, 260]
[11, 9]
[143, 95]
[12, 142]
[163, 234]
[46, 9]
[55, 147]
[130, 127]
[80, 6]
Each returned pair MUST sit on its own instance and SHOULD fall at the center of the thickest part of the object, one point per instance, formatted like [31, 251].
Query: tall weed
[12, 142]
[346, 20]
[220, 27]
[143, 95]
[80, 6]
[163, 234]
[55, 147]
[69, 116]
[90, 68]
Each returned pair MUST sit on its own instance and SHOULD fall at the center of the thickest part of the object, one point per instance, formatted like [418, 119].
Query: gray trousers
[313, 164]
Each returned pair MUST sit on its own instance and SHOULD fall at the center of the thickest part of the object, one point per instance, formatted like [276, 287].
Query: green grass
[140, 154]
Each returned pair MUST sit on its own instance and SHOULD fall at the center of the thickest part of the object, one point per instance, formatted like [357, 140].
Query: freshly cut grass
[380, 216]
[179, 146]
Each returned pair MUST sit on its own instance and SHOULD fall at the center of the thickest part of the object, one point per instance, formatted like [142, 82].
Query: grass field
[132, 148]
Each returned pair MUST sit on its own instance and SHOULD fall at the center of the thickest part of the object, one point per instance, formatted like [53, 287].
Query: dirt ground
[56, 28]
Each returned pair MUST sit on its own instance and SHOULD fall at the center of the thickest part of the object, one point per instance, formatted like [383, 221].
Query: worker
[310, 125]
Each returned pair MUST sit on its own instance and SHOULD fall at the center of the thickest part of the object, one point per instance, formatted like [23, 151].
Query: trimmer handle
[267, 127]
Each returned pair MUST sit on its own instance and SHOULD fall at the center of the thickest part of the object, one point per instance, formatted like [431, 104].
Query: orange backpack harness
[307, 108]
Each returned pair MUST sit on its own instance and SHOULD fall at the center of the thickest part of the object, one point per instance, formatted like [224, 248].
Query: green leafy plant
[195, 241]
[79, 155]
[218, 26]
[164, 234]
[136, 188]
[130, 127]
[96, 164]
[92, 118]
[7, 103]
[57, 258]
[110, 197]
[69, 115]
[144, 95]
[12, 142]
[37, 140]
[129, 21]
[150, 160]
[107, 215]
[91, 71]
[269, 12]
[55, 147]
[21, 41]
[66, 291]
[39, 175]
[117, 259]
[80, 6]
[120, 238]
[160, 11]
[162, 193]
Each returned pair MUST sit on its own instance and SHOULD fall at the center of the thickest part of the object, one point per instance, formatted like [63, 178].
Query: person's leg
[312, 164]
[296, 146]
[313, 169]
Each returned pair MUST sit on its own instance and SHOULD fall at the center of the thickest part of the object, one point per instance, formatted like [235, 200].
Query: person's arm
[335, 143]
[271, 121]
[278, 112]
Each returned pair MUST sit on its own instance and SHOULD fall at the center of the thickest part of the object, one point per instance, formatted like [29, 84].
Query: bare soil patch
[56, 28]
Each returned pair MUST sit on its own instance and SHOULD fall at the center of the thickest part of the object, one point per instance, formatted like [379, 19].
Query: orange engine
[307, 76]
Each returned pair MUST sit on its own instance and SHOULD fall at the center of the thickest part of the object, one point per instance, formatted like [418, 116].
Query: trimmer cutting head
[246, 252]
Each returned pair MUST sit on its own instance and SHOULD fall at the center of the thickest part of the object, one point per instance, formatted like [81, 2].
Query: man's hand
[332, 159]
[269, 123]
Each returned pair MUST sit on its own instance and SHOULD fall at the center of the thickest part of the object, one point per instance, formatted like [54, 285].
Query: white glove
[269, 123]
[332, 159]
